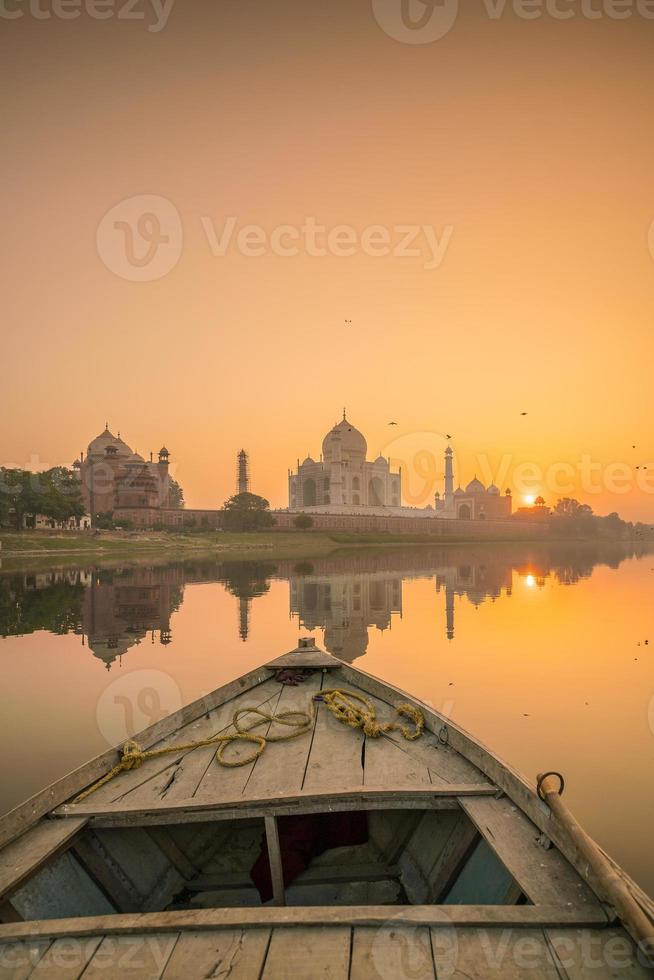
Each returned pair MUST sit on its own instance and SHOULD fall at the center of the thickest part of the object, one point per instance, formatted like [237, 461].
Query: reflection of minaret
[449, 479]
[244, 617]
[243, 478]
[449, 610]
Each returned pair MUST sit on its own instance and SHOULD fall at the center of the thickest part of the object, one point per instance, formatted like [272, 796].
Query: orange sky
[530, 139]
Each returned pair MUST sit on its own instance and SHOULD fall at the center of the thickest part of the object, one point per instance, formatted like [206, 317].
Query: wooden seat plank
[335, 759]
[17, 960]
[235, 953]
[493, 954]
[306, 953]
[219, 782]
[401, 953]
[544, 875]
[154, 775]
[137, 957]
[23, 856]
[65, 959]
[281, 768]
[445, 764]
[181, 779]
[584, 954]
[385, 763]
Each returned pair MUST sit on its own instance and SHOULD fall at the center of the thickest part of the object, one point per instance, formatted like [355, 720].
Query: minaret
[243, 476]
[449, 480]
[449, 610]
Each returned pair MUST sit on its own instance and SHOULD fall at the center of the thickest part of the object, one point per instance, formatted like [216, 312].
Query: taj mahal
[342, 476]
[343, 481]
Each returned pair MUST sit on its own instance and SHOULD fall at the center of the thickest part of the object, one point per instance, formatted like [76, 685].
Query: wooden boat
[332, 854]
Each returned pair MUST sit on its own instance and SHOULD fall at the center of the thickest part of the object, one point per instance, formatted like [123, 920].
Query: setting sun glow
[529, 499]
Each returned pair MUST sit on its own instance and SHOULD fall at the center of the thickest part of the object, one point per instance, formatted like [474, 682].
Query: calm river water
[540, 651]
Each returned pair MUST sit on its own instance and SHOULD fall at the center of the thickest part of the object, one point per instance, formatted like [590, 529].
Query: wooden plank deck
[331, 766]
[393, 949]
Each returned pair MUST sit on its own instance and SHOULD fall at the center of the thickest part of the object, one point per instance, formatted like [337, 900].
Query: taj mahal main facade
[343, 481]
[342, 477]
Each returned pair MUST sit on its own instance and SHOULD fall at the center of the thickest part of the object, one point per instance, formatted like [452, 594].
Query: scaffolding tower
[243, 472]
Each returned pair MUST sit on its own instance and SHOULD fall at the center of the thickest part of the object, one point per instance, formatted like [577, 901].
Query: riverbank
[44, 549]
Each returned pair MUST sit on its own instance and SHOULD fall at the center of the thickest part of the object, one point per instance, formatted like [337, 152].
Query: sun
[529, 499]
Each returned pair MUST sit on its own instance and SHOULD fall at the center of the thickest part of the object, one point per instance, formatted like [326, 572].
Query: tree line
[54, 493]
[570, 518]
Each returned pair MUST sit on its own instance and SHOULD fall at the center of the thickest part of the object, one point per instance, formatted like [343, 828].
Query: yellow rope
[134, 756]
[342, 705]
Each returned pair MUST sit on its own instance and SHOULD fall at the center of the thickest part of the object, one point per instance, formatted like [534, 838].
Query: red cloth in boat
[303, 838]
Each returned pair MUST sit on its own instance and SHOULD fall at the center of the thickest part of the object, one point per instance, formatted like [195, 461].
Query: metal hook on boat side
[541, 780]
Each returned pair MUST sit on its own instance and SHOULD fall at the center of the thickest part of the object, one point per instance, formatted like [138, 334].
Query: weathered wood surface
[545, 876]
[21, 817]
[24, 855]
[336, 757]
[503, 775]
[178, 774]
[283, 765]
[351, 798]
[267, 916]
[308, 953]
[235, 953]
[310, 657]
[275, 860]
[318, 766]
[392, 950]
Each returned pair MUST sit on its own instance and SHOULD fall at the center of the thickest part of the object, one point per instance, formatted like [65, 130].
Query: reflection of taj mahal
[343, 476]
[344, 606]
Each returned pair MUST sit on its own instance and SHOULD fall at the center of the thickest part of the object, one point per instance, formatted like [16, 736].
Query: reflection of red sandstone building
[119, 610]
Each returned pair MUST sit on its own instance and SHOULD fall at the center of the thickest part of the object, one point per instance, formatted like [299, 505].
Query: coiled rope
[343, 706]
[134, 756]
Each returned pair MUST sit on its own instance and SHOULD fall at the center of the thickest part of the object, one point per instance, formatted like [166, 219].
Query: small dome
[475, 486]
[77, 465]
[459, 492]
[308, 460]
[351, 441]
[163, 451]
[493, 490]
[380, 461]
